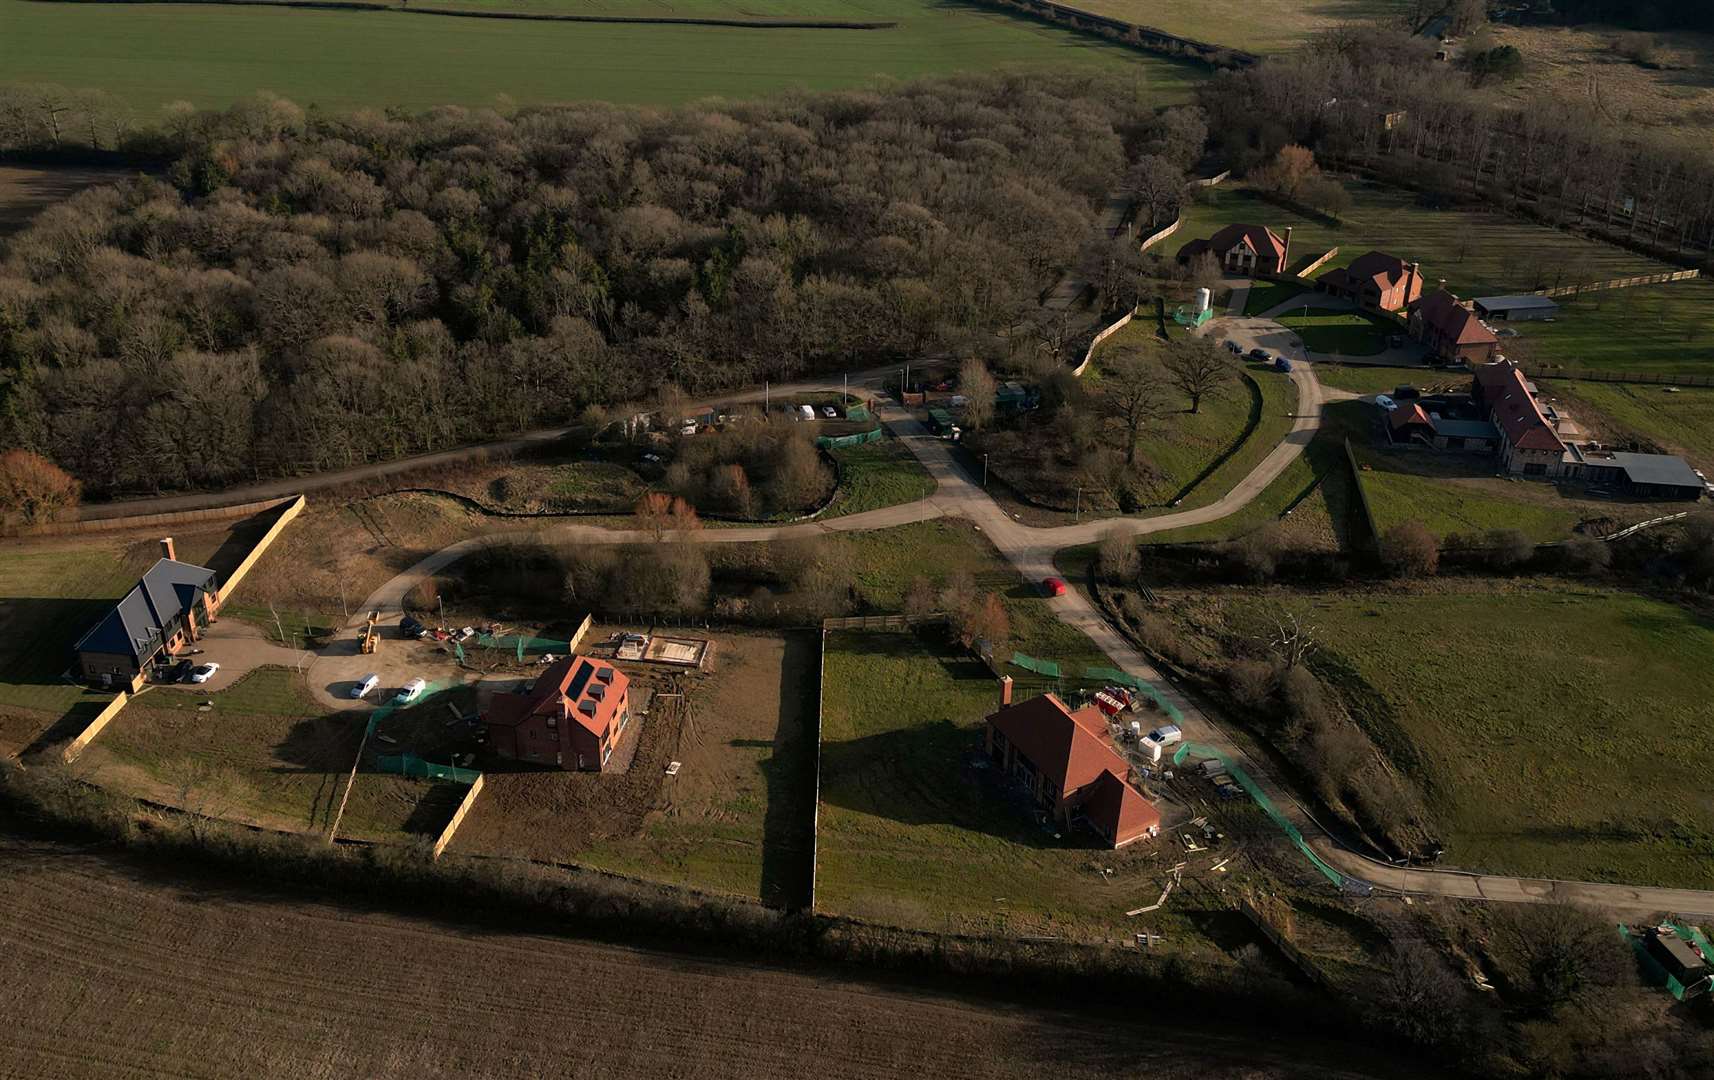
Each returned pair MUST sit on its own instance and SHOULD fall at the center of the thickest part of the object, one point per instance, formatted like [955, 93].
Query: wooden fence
[464, 806]
[293, 508]
[102, 719]
[815, 811]
[1317, 263]
[1362, 496]
[79, 526]
[1619, 283]
[1154, 238]
[1089, 353]
[1651, 378]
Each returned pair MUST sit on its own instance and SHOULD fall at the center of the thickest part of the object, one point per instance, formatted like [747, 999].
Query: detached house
[1529, 443]
[1067, 761]
[1375, 282]
[161, 615]
[1247, 250]
[1451, 330]
[572, 717]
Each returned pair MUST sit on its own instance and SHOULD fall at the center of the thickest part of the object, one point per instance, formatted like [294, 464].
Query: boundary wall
[95, 726]
[469, 800]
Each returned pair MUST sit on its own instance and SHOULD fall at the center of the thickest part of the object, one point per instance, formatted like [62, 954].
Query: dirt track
[109, 969]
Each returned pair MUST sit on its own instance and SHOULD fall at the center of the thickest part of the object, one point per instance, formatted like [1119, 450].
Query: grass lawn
[1266, 295]
[1559, 730]
[1677, 423]
[1665, 328]
[265, 753]
[1479, 253]
[913, 834]
[1460, 494]
[1383, 380]
[1339, 333]
[1256, 25]
[149, 55]
[878, 474]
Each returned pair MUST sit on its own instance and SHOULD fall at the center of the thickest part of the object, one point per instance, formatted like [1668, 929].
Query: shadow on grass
[66, 728]
[39, 650]
[788, 824]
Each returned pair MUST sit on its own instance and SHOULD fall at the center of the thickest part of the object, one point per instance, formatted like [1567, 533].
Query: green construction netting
[1141, 686]
[857, 412]
[829, 442]
[1050, 668]
[415, 767]
[1689, 933]
[518, 644]
[1243, 780]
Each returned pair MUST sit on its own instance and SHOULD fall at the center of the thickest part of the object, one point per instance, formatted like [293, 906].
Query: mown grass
[1654, 328]
[266, 691]
[150, 55]
[50, 594]
[1257, 25]
[1267, 295]
[1560, 727]
[914, 833]
[1478, 252]
[876, 475]
[1383, 380]
[1339, 333]
[1677, 423]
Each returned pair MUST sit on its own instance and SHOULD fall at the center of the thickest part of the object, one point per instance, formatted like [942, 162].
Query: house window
[1535, 468]
[606, 754]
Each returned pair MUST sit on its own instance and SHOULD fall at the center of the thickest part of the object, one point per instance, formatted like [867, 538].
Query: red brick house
[1529, 443]
[572, 717]
[1376, 281]
[1067, 761]
[1247, 250]
[1451, 330]
[160, 617]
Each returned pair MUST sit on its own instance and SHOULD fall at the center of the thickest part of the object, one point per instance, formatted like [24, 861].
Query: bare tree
[978, 389]
[1198, 368]
[1292, 639]
[1130, 394]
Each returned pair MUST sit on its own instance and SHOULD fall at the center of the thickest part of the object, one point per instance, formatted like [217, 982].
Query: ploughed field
[112, 968]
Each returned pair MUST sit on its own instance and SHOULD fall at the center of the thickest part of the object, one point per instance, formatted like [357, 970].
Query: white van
[806, 411]
[365, 687]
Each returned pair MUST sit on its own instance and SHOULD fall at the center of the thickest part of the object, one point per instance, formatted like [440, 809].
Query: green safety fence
[857, 412]
[1141, 686]
[830, 442]
[1243, 780]
[1689, 933]
[417, 769]
[520, 644]
[1050, 668]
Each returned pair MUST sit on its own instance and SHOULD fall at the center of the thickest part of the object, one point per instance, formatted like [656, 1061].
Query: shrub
[1507, 549]
[1585, 555]
[1410, 550]
[33, 487]
[1252, 682]
[1119, 560]
[1254, 557]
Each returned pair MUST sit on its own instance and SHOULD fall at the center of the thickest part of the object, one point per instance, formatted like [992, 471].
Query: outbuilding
[1648, 476]
[1516, 308]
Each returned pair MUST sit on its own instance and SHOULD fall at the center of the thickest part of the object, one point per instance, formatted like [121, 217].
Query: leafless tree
[1198, 368]
[1131, 394]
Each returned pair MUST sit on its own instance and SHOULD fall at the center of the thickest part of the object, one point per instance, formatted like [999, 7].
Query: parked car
[412, 628]
[1052, 587]
[408, 693]
[806, 412]
[1406, 393]
[688, 428]
[1234, 348]
[365, 687]
[203, 672]
[1281, 364]
[179, 672]
[830, 412]
[1386, 402]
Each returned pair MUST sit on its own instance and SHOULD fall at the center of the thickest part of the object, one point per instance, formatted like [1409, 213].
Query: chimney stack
[1005, 691]
[1285, 260]
[1413, 284]
[167, 549]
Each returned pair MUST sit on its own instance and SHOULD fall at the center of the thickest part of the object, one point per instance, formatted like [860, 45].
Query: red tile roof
[1263, 239]
[1506, 393]
[1384, 270]
[1118, 810]
[1455, 322]
[576, 688]
[1071, 749]
[1403, 417]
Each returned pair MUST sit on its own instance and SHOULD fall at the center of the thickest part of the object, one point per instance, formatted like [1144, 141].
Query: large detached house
[1247, 250]
[571, 718]
[1376, 282]
[1529, 443]
[161, 615]
[1067, 761]
[1451, 330]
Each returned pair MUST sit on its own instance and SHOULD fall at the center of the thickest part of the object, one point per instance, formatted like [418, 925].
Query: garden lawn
[148, 55]
[876, 475]
[1267, 295]
[1677, 423]
[1383, 380]
[1478, 252]
[1559, 730]
[913, 833]
[1654, 328]
[1339, 333]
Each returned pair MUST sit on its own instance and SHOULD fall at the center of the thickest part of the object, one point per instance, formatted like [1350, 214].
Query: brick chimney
[1285, 260]
[1005, 691]
[167, 549]
[1413, 283]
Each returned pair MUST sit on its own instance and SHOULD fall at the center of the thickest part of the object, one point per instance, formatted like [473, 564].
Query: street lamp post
[1079, 514]
[984, 470]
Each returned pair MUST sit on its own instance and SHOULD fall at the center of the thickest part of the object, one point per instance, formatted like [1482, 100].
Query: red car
[1052, 587]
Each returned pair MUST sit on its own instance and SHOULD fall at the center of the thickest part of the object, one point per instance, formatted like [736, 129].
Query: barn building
[571, 718]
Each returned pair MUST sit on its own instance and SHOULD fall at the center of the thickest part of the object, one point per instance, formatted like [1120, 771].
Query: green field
[1383, 380]
[1653, 328]
[1267, 295]
[1339, 333]
[875, 475]
[1457, 493]
[149, 55]
[1478, 252]
[1558, 730]
[1678, 423]
[1257, 25]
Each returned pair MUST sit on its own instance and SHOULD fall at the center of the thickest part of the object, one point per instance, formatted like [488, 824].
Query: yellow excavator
[371, 633]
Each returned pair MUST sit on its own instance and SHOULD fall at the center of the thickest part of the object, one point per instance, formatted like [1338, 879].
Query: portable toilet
[1204, 300]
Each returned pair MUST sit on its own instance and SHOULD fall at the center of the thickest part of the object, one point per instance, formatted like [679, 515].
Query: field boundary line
[815, 806]
[528, 16]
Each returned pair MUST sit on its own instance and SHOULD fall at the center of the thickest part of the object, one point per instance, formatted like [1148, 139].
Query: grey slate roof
[1662, 469]
[167, 590]
[1515, 302]
[1465, 429]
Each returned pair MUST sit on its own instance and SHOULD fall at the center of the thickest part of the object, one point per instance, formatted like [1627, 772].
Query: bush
[1585, 555]
[1410, 550]
[33, 487]
[1507, 549]
[1119, 560]
[1254, 557]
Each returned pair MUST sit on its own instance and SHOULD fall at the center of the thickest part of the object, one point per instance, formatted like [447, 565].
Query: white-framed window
[605, 754]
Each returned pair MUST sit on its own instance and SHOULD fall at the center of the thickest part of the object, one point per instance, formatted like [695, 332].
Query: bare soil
[1673, 98]
[114, 968]
[27, 191]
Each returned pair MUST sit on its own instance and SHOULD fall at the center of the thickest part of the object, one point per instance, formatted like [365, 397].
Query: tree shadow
[789, 774]
[43, 654]
[66, 728]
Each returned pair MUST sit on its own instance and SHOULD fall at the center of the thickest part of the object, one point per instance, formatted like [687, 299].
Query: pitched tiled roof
[1506, 394]
[1384, 270]
[1119, 810]
[1261, 238]
[1069, 748]
[167, 591]
[576, 688]
[1455, 322]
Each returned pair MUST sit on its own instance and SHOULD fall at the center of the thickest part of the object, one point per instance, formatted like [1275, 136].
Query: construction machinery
[371, 633]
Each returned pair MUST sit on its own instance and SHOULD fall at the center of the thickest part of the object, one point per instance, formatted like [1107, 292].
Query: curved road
[1031, 552]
